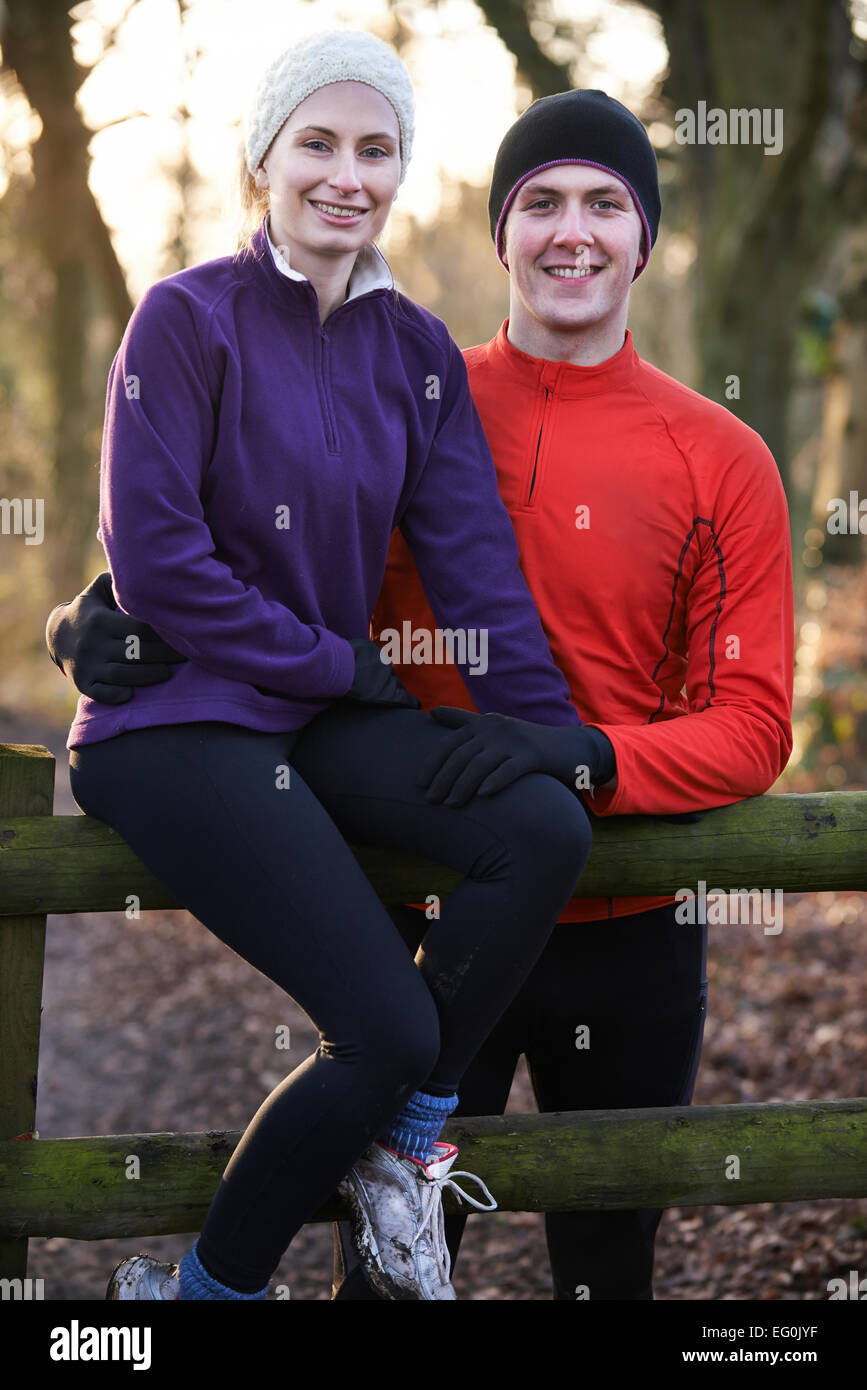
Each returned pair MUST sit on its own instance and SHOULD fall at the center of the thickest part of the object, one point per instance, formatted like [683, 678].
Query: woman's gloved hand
[489, 751]
[375, 680]
[88, 637]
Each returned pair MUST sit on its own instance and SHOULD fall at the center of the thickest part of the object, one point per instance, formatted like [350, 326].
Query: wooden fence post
[26, 789]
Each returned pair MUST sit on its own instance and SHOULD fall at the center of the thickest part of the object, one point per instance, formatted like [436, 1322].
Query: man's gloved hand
[489, 751]
[87, 639]
[375, 679]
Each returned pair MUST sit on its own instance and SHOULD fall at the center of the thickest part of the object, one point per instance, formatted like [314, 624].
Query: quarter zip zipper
[325, 391]
[538, 442]
[329, 419]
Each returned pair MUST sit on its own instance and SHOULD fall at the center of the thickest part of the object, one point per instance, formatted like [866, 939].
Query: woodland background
[760, 270]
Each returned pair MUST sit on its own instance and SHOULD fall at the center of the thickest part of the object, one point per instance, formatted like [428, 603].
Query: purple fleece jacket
[254, 465]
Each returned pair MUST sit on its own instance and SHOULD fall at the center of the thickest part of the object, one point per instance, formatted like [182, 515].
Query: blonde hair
[254, 203]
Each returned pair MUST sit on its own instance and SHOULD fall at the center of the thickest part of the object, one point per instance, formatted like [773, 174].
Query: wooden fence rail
[586, 1160]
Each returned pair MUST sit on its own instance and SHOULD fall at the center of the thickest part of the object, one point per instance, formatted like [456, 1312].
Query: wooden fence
[584, 1160]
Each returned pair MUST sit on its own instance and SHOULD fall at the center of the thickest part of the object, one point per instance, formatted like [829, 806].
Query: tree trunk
[761, 218]
[74, 244]
[843, 447]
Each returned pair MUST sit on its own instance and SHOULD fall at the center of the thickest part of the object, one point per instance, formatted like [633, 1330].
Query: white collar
[370, 272]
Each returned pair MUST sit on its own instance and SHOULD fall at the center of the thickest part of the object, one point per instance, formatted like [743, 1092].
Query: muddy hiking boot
[396, 1225]
[349, 1281]
[143, 1277]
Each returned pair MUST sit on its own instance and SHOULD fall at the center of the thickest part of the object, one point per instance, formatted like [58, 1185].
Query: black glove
[87, 639]
[375, 680]
[489, 751]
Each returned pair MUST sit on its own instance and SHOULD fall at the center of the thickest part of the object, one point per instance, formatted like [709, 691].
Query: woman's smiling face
[333, 171]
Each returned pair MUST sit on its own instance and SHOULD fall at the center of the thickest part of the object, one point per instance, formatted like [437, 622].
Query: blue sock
[415, 1130]
[196, 1282]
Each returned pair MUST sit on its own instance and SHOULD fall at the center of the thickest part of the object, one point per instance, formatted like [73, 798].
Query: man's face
[572, 217]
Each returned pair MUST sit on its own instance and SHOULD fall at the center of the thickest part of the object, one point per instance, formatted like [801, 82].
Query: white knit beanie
[333, 55]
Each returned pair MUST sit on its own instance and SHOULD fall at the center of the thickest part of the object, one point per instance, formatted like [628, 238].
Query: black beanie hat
[583, 126]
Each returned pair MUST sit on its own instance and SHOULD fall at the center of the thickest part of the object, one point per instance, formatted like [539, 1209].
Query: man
[653, 531]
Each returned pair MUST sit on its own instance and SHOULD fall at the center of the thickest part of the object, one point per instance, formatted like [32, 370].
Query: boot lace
[432, 1208]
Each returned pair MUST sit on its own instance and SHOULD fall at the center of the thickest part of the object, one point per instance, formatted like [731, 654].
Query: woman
[271, 417]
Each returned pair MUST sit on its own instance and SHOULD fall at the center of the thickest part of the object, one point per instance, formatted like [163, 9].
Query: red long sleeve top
[653, 532]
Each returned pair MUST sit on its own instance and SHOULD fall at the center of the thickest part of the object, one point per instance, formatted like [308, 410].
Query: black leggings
[266, 867]
[640, 984]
